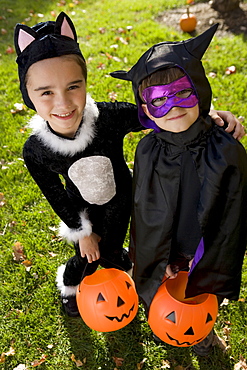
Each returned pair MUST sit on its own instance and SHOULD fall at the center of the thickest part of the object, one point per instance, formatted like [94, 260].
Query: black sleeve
[53, 189]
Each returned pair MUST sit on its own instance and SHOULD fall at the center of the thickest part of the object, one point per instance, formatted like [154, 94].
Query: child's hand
[234, 125]
[169, 273]
[89, 247]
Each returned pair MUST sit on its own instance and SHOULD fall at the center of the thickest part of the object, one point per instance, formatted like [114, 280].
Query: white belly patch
[94, 178]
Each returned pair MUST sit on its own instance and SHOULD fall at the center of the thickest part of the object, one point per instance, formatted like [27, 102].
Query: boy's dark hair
[163, 76]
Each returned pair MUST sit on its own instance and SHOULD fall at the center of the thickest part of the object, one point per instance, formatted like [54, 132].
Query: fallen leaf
[2, 358]
[116, 59]
[109, 56]
[27, 264]
[11, 352]
[101, 66]
[230, 70]
[3, 31]
[118, 361]
[212, 74]
[166, 365]
[10, 50]
[227, 332]
[19, 107]
[112, 96]
[123, 41]
[140, 364]
[52, 254]
[102, 30]
[220, 343]
[241, 300]
[241, 365]
[18, 252]
[39, 362]
[225, 302]
[77, 362]
[21, 367]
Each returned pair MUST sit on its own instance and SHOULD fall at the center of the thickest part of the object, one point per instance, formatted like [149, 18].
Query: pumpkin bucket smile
[107, 300]
[178, 321]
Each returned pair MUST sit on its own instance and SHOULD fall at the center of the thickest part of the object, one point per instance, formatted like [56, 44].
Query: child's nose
[63, 100]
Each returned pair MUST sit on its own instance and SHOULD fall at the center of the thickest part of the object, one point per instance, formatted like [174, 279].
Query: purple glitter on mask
[161, 99]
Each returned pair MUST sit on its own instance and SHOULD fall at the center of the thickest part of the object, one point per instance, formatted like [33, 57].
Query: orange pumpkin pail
[178, 321]
[107, 300]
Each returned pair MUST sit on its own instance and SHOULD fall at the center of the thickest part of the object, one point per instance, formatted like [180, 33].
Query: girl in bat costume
[81, 140]
[190, 178]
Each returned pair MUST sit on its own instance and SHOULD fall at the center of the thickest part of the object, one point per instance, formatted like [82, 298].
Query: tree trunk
[224, 6]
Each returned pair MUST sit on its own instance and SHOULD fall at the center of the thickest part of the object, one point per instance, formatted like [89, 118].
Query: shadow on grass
[215, 361]
[98, 350]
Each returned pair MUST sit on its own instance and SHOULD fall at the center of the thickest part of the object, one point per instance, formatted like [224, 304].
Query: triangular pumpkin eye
[209, 318]
[120, 302]
[171, 317]
[128, 284]
[100, 298]
[190, 331]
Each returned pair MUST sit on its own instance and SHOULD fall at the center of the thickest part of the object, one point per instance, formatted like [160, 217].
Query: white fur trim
[73, 235]
[64, 145]
[65, 290]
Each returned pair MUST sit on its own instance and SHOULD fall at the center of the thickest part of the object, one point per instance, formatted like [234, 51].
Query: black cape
[220, 165]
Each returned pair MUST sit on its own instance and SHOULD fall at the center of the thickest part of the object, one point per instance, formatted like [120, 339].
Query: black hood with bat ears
[183, 54]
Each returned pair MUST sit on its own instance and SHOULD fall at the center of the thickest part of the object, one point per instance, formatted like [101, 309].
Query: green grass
[31, 321]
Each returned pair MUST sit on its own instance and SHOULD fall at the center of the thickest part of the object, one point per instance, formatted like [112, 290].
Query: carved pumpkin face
[178, 321]
[107, 300]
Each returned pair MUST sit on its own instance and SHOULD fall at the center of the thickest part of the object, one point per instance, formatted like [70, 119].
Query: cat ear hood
[183, 54]
[42, 41]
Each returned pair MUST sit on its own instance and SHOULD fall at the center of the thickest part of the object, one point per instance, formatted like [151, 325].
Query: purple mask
[161, 99]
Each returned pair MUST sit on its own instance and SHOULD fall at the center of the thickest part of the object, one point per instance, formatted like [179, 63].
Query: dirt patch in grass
[234, 22]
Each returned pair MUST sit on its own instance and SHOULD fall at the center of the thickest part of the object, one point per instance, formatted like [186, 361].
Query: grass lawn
[34, 331]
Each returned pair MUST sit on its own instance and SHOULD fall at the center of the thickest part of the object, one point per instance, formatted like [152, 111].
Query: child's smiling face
[173, 106]
[176, 120]
[57, 88]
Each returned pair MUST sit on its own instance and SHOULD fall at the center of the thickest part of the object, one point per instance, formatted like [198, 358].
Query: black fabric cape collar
[185, 138]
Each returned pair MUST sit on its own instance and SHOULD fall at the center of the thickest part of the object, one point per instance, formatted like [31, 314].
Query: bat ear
[199, 44]
[122, 75]
[65, 27]
[24, 36]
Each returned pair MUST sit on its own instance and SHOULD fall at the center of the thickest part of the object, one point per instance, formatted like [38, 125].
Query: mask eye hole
[128, 284]
[183, 94]
[171, 317]
[100, 298]
[159, 101]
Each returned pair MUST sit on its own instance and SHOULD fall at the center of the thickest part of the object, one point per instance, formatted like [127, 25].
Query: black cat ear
[198, 45]
[24, 36]
[65, 27]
